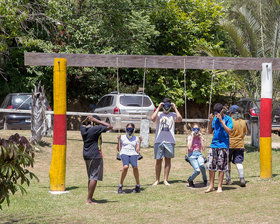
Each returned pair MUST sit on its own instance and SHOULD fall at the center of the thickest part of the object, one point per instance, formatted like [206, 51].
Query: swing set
[61, 61]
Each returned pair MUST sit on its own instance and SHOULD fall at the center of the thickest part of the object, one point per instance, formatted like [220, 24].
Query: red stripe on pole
[265, 117]
[59, 129]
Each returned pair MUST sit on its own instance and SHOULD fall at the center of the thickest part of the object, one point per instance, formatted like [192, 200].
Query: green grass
[257, 203]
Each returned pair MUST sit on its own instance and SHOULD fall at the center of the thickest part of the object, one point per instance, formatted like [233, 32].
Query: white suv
[125, 103]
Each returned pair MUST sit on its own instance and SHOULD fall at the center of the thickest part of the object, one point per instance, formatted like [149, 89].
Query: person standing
[91, 130]
[236, 144]
[164, 138]
[129, 146]
[220, 125]
[195, 157]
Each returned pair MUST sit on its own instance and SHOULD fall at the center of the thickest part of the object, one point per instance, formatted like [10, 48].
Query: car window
[6, 102]
[135, 101]
[108, 101]
[105, 101]
[21, 101]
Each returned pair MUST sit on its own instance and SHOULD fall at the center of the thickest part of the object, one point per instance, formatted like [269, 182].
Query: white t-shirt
[165, 127]
[129, 145]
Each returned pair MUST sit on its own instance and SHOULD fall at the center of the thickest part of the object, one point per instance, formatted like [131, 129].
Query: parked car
[251, 112]
[21, 101]
[125, 103]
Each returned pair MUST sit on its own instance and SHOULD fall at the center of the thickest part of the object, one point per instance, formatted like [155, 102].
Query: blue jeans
[197, 162]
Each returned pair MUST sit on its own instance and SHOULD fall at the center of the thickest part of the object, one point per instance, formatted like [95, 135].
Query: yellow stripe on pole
[59, 85]
[58, 168]
[265, 158]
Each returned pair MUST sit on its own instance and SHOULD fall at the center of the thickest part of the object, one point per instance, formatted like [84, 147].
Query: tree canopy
[159, 27]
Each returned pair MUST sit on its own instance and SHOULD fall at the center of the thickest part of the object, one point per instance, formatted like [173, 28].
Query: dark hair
[130, 124]
[218, 107]
[167, 100]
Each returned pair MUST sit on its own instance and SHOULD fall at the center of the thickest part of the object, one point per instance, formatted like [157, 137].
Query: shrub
[16, 154]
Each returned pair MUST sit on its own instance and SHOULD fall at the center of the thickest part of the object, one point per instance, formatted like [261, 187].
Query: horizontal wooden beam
[150, 61]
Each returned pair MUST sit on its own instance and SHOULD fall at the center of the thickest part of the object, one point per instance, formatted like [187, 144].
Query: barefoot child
[91, 130]
[220, 125]
[129, 146]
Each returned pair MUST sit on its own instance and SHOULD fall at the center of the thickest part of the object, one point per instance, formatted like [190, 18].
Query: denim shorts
[164, 149]
[129, 159]
[236, 155]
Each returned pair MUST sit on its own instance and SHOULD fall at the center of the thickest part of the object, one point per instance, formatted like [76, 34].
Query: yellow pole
[58, 164]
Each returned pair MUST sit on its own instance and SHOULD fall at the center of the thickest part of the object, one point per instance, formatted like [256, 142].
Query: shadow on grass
[175, 181]
[103, 201]
[39, 219]
[71, 188]
[249, 148]
[227, 188]
[43, 144]
[129, 191]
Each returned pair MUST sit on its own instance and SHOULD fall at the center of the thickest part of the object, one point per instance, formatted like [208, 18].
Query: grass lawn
[259, 202]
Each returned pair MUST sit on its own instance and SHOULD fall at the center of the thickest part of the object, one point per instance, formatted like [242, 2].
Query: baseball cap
[234, 109]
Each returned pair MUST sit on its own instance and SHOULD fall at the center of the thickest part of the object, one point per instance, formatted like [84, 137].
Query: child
[91, 130]
[128, 146]
[220, 125]
[196, 159]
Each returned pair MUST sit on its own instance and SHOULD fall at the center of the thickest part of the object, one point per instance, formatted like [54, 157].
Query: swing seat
[118, 156]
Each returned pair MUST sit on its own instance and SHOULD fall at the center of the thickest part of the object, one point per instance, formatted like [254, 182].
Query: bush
[16, 154]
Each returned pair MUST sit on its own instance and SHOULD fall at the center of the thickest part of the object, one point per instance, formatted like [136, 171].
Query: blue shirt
[220, 137]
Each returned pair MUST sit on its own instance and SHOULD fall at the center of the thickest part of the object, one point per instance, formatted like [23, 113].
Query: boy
[91, 130]
[236, 144]
[221, 126]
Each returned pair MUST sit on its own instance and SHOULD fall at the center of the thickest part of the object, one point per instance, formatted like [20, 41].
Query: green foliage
[185, 27]
[254, 28]
[176, 27]
[16, 154]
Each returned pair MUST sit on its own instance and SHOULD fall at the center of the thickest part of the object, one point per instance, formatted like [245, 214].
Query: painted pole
[58, 164]
[265, 121]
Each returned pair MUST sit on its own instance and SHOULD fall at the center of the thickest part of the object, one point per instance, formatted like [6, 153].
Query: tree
[185, 26]
[254, 28]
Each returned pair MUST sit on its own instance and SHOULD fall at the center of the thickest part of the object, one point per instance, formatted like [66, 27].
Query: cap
[234, 109]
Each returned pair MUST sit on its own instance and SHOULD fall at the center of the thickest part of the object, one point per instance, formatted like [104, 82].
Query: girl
[195, 144]
[128, 146]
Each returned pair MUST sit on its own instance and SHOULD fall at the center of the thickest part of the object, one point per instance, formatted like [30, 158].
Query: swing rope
[210, 99]
[144, 80]
[117, 62]
[211, 90]
[185, 92]
[118, 118]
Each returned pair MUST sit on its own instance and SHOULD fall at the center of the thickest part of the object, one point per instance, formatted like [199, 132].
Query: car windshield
[135, 101]
[21, 101]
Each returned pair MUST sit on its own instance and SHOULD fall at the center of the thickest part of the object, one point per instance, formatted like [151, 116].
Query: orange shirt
[236, 137]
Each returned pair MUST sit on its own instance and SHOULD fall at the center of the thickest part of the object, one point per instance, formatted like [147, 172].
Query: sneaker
[136, 189]
[120, 190]
[242, 182]
[205, 183]
[191, 184]
[227, 182]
